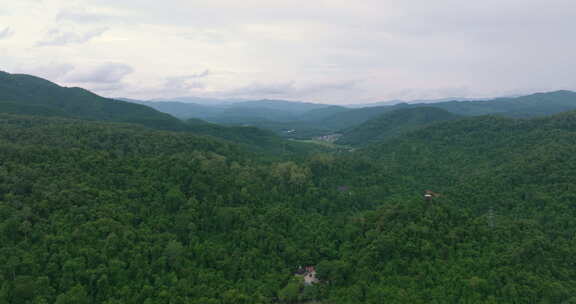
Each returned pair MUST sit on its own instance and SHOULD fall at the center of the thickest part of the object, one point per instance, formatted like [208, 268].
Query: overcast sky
[330, 51]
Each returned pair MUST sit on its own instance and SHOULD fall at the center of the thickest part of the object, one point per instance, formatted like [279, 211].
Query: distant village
[331, 138]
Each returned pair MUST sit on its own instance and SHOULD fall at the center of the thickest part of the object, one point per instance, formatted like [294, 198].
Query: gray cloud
[290, 90]
[202, 74]
[186, 83]
[264, 89]
[329, 87]
[107, 88]
[398, 48]
[109, 73]
[56, 37]
[53, 71]
[6, 33]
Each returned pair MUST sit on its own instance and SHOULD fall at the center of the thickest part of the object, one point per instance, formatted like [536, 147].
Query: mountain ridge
[35, 93]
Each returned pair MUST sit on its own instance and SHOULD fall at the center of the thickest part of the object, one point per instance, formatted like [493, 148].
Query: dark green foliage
[29, 95]
[534, 105]
[539, 104]
[253, 138]
[392, 124]
[32, 109]
[322, 113]
[275, 115]
[26, 94]
[116, 212]
[354, 117]
[94, 212]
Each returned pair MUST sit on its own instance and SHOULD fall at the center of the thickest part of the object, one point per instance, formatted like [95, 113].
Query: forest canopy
[103, 204]
[95, 212]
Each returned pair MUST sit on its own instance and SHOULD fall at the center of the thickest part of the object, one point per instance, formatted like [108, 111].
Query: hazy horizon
[334, 52]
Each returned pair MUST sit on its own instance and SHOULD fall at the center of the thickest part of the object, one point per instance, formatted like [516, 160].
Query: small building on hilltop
[308, 273]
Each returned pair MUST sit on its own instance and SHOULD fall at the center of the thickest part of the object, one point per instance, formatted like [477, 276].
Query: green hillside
[392, 124]
[275, 115]
[98, 212]
[540, 104]
[253, 138]
[26, 94]
[322, 113]
[355, 117]
[30, 95]
[245, 111]
[309, 120]
[102, 212]
[180, 109]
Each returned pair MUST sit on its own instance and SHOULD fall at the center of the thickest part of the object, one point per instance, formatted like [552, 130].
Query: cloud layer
[105, 73]
[58, 37]
[337, 51]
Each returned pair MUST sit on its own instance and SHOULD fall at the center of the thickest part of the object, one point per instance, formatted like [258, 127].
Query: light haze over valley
[287, 152]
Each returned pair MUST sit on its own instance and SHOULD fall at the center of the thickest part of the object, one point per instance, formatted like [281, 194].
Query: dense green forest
[100, 211]
[393, 124]
[30, 95]
[94, 212]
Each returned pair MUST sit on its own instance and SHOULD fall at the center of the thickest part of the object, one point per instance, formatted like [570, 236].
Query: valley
[106, 201]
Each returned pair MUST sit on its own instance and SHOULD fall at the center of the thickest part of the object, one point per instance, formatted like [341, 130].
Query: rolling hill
[30, 95]
[394, 123]
[238, 112]
[534, 105]
[309, 119]
[101, 212]
[26, 94]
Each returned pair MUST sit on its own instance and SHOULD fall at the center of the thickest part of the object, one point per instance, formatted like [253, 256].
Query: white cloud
[52, 70]
[107, 73]
[57, 37]
[288, 90]
[186, 84]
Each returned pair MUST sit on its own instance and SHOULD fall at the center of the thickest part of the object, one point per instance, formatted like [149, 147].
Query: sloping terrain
[30, 95]
[539, 104]
[94, 212]
[394, 123]
[104, 212]
[26, 94]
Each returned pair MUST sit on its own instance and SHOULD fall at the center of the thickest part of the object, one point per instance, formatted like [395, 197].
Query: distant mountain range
[309, 119]
[202, 100]
[29, 95]
[373, 124]
[413, 101]
[239, 112]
